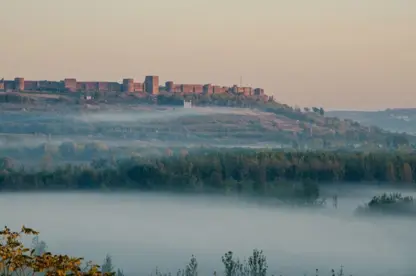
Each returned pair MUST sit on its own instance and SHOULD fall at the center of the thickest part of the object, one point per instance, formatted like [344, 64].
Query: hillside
[395, 120]
[230, 120]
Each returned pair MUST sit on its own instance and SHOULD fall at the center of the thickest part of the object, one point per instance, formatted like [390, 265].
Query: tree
[119, 272]
[46, 161]
[6, 163]
[107, 266]
[390, 172]
[192, 267]
[68, 149]
[16, 259]
[40, 247]
[99, 163]
[257, 263]
[407, 173]
[255, 266]
[232, 266]
[396, 141]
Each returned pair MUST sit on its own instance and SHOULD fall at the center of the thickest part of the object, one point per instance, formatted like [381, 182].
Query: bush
[16, 259]
[393, 203]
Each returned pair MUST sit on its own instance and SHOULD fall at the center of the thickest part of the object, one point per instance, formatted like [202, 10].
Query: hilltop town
[263, 119]
[150, 86]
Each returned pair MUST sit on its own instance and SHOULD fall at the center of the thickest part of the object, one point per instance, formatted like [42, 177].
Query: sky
[339, 54]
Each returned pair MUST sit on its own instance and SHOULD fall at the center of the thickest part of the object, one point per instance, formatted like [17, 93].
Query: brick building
[128, 85]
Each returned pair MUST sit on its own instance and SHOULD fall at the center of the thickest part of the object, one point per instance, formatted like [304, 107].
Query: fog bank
[162, 114]
[143, 231]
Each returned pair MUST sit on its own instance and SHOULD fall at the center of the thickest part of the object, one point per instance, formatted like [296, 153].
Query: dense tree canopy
[241, 170]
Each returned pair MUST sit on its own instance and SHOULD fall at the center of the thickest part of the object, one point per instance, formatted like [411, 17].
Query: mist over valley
[145, 231]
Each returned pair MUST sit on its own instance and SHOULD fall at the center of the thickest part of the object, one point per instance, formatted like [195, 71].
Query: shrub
[16, 259]
[393, 203]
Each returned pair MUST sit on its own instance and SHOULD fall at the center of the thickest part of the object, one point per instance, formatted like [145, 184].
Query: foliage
[308, 194]
[393, 203]
[255, 266]
[107, 266]
[39, 247]
[397, 140]
[191, 269]
[260, 172]
[16, 259]
[389, 199]
[6, 163]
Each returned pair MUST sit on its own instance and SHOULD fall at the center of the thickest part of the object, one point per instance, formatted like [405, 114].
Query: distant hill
[259, 119]
[312, 123]
[394, 120]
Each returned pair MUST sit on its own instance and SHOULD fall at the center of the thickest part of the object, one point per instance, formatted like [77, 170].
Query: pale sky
[357, 54]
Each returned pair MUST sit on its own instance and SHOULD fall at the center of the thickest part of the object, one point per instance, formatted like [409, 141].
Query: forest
[263, 172]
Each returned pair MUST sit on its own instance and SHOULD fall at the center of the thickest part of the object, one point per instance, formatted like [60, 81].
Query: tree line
[238, 170]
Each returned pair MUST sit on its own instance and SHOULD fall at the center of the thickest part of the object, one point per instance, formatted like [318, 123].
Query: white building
[187, 104]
